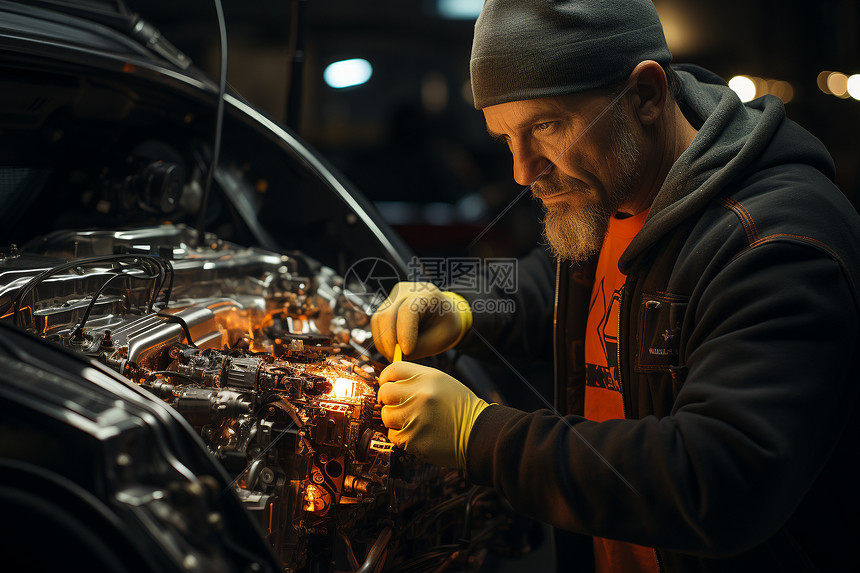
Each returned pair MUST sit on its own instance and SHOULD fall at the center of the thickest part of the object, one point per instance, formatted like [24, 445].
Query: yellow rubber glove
[422, 319]
[428, 413]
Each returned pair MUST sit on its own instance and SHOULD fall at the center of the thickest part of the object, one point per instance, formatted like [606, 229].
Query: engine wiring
[78, 331]
[154, 268]
[182, 324]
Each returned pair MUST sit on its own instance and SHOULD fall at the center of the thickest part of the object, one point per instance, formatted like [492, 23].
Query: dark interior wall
[385, 139]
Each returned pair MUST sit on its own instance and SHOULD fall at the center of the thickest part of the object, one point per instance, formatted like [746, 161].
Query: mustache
[553, 184]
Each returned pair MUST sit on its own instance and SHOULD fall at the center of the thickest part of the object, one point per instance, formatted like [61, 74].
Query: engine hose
[376, 553]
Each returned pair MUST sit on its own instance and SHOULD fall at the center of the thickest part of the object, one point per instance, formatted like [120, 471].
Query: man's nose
[529, 164]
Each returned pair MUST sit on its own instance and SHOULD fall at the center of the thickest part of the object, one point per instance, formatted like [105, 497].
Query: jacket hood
[734, 140]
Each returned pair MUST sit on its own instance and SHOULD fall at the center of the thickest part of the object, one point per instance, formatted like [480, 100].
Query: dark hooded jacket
[738, 359]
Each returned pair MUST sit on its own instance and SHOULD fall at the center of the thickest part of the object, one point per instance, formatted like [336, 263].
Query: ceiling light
[348, 73]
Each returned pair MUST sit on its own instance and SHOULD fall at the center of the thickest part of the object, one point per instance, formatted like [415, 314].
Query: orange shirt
[602, 390]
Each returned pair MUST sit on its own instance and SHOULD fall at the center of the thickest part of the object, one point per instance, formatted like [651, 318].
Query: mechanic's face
[580, 158]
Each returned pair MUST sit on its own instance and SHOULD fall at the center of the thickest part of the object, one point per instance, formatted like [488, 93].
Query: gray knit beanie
[526, 49]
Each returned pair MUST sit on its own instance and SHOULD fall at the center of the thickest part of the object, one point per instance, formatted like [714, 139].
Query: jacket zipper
[618, 349]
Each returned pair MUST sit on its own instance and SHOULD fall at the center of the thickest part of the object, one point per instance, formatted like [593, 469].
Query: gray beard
[577, 233]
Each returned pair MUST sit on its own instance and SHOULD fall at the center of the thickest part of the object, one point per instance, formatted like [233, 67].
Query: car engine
[269, 358]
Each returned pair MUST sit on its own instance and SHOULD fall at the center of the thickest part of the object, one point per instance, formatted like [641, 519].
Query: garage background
[410, 139]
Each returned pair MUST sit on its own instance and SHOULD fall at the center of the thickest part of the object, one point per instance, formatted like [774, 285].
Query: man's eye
[544, 125]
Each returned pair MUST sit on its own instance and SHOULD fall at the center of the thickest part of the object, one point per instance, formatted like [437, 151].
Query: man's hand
[421, 318]
[428, 413]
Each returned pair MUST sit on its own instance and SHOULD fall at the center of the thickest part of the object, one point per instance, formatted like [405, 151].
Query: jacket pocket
[658, 334]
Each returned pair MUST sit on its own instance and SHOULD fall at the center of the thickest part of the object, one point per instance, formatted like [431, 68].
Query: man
[705, 312]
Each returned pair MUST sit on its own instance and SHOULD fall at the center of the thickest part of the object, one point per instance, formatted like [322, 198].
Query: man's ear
[650, 91]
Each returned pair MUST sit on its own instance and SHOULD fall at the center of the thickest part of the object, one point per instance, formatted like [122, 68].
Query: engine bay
[268, 357]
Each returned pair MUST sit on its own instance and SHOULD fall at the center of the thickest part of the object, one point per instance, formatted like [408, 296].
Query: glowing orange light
[314, 498]
[310, 496]
[822, 81]
[837, 83]
[344, 388]
[783, 90]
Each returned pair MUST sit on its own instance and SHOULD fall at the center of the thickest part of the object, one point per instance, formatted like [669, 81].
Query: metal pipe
[350, 555]
[376, 553]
